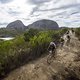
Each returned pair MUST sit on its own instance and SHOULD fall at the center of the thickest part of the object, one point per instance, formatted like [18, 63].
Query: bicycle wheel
[49, 59]
[51, 56]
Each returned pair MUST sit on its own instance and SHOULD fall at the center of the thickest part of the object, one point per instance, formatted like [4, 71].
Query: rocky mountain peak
[44, 24]
[16, 25]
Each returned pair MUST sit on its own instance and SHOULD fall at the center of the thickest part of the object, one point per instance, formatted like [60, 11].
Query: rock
[18, 25]
[44, 24]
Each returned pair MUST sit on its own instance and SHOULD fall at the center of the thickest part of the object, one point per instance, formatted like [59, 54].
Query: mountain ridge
[40, 24]
[18, 24]
[44, 24]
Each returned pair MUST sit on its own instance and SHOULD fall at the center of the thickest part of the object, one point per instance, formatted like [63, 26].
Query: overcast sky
[64, 12]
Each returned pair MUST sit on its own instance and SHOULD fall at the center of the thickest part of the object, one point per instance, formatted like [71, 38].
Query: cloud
[48, 6]
[37, 2]
[3, 23]
[65, 13]
[5, 1]
[60, 11]
[55, 9]
[13, 12]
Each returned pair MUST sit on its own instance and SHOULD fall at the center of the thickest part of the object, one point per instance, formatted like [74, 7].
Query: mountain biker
[67, 32]
[68, 38]
[73, 31]
[52, 47]
[61, 42]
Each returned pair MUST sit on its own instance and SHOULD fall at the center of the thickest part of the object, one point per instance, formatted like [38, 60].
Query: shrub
[77, 31]
[30, 33]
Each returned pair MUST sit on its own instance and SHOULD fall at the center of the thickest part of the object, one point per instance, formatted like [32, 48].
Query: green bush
[30, 33]
[77, 31]
[39, 43]
[12, 54]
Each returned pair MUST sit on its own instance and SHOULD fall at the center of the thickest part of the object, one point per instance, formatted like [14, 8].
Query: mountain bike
[51, 56]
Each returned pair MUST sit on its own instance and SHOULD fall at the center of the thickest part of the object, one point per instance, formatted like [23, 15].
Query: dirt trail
[66, 65]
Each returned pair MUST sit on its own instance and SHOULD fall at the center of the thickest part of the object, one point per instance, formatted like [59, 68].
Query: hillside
[17, 25]
[44, 24]
[65, 65]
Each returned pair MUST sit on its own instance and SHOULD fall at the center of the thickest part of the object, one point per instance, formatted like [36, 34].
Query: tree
[30, 33]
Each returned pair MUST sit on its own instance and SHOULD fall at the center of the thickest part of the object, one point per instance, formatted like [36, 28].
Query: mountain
[40, 24]
[44, 24]
[17, 25]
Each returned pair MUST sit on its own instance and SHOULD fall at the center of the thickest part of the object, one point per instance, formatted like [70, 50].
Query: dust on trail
[66, 63]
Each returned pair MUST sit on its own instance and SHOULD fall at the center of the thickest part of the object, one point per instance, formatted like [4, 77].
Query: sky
[64, 12]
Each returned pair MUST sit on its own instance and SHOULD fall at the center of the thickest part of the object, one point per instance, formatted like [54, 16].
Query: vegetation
[4, 32]
[30, 33]
[31, 45]
[77, 30]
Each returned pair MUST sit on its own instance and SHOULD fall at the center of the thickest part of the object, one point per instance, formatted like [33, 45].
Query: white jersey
[52, 43]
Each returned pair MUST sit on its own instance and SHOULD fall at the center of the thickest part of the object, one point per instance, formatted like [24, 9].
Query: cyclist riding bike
[52, 50]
